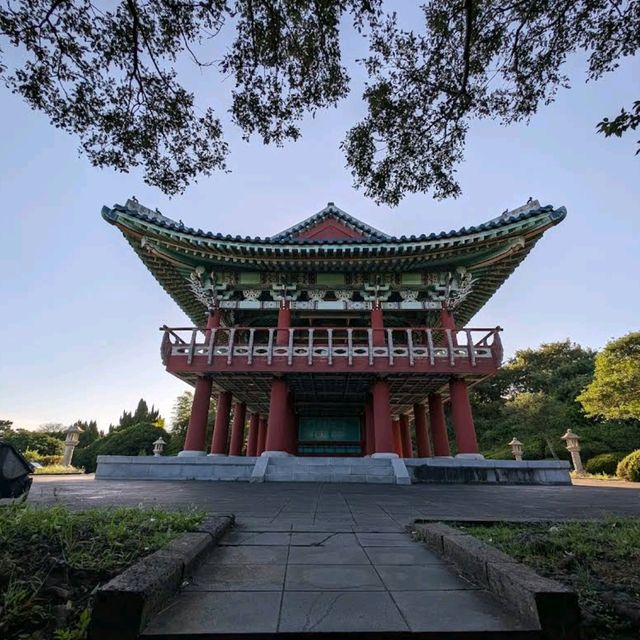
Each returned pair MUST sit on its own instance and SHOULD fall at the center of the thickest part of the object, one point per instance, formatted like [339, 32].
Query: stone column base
[190, 454]
[385, 455]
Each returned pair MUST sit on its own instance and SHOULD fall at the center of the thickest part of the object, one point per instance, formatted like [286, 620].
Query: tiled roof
[287, 237]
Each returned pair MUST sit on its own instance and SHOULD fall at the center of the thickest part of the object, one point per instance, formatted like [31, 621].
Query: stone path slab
[316, 582]
[312, 507]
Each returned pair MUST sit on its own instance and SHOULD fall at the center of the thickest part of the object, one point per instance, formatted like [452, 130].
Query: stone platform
[333, 469]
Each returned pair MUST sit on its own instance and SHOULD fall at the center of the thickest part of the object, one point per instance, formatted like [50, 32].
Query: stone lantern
[158, 447]
[70, 442]
[573, 447]
[516, 448]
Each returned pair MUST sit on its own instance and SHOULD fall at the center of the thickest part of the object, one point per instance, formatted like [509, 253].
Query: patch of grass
[58, 468]
[595, 476]
[52, 558]
[600, 560]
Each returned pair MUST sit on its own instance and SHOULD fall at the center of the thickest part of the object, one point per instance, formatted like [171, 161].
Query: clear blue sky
[80, 313]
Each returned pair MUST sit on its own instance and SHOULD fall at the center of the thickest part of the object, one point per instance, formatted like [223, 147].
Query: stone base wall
[334, 469]
[467, 471]
[230, 468]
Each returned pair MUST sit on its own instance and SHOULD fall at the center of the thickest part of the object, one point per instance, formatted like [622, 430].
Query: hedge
[629, 467]
[135, 440]
[606, 463]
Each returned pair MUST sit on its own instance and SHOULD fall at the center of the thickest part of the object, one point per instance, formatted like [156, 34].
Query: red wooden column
[438, 426]
[397, 437]
[262, 435]
[221, 426]
[252, 441]
[405, 435]
[237, 429]
[277, 432]
[369, 430]
[462, 417]
[422, 435]
[284, 322]
[377, 324]
[382, 418]
[195, 442]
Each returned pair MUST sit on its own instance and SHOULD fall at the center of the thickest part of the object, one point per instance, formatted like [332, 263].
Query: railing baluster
[370, 339]
[310, 347]
[350, 345]
[471, 348]
[432, 359]
[192, 346]
[232, 335]
[410, 344]
[452, 355]
[212, 342]
[390, 345]
[251, 339]
[270, 347]
[330, 344]
[290, 347]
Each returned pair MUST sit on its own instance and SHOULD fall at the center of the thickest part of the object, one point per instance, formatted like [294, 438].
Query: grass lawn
[600, 560]
[52, 558]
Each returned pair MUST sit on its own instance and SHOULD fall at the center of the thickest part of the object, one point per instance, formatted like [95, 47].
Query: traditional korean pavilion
[332, 338]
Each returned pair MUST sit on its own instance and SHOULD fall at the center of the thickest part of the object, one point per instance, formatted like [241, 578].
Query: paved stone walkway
[301, 581]
[279, 506]
[329, 557]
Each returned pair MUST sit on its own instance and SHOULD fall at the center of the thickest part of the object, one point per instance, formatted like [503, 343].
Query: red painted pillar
[221, 426]
[405, 434]
[438, 426]
[284, 322]
[448, 322]
[237, 429]
[262, 435]
[370, 438]
[195, 442]
[252, 441]
[213, 321]
[382, 417]
[462, 417]
[277, 436]
[377, 324]
[422, 435]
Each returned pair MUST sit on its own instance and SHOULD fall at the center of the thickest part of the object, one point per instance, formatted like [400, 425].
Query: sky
[79, 313]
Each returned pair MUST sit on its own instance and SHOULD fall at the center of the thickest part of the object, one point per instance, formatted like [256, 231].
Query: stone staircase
[307, 469]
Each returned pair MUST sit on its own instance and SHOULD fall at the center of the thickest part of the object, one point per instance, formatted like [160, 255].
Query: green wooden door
[329, 436]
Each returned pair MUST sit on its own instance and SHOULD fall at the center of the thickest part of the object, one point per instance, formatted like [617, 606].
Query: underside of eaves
[332, 241]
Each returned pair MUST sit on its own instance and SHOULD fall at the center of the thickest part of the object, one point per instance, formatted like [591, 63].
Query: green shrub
[57, 469]
[43, 443]
[629, 467]
[606, 463]
[135, 440]
[45, 460]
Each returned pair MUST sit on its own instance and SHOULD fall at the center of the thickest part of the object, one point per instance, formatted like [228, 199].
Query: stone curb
[546, 604]
[124, 605]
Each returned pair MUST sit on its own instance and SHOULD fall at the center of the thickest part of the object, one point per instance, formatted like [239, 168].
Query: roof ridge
[330, 210]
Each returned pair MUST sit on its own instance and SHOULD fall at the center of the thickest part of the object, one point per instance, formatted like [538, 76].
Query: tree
[532, 384]
[142, 413]
[43, 443]
[110, 76]
[614, 393]
[89, 433]
[5, 427]
[180, 422]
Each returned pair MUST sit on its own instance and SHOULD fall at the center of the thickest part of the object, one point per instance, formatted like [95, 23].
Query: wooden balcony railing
[303, 348]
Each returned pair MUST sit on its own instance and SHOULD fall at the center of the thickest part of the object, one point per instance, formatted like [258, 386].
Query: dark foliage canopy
[113, 75]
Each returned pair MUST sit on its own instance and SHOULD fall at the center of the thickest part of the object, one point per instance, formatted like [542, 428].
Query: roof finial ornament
[134, 198]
